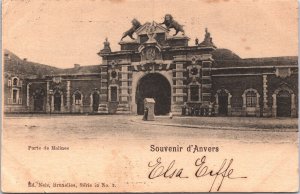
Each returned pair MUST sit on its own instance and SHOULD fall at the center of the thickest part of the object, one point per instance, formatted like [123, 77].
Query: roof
[224, 54]
[255, 62]
[82, 70]
[15, 65]
[223, 58]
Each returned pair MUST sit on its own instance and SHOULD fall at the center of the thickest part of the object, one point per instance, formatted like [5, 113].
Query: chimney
[76, 66]
[7, 56]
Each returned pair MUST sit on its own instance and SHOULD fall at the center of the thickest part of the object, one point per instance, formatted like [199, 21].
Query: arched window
[283, 93]
[15, 81]
[251, 99]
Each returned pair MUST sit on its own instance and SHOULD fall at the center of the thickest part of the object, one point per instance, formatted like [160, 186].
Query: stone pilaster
[104, 88]
[178, 89]
[217, 104]
[30, 99]
[28, 95]
[52, 103]
[206, 82]
[179, 82]
[68, 96]
[266, 109]
[257, 108]
[244, 107]
[62, 104]
[103, 106]
[123, 106]
[124, 84]
[48, 97]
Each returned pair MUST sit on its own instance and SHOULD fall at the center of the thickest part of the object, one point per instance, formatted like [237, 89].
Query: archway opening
[57, 101]
[223, 103]
[283, 104]
[155, 86]
[38, 98]
[96, 100]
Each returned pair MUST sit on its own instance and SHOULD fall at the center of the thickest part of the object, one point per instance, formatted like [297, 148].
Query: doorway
[223, 103]
[96, 100]
[57, 101]
[38, 99]
[283, 104]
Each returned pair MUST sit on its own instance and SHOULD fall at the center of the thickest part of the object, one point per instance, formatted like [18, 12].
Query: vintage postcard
[149, 96]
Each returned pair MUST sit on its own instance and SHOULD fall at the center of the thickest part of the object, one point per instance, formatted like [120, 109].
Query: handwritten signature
[225, 171]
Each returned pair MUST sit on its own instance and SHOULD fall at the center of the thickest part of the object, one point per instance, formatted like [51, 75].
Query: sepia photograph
[149, 96]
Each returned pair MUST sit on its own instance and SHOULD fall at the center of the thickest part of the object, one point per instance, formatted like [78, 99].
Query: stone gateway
[199, 79]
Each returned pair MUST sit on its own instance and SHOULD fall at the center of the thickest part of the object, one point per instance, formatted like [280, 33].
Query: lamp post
[50, 94]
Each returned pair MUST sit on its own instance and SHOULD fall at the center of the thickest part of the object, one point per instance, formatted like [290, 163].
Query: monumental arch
[157, 60]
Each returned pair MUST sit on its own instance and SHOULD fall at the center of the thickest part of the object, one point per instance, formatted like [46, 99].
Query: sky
[62, 33]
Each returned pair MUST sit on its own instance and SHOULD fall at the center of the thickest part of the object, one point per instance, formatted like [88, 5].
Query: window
[15, 96]
[77, 98]
[283, 93]
[194, 92]
[114, 93]
[251, 99]
[114, 74]
[15, 81]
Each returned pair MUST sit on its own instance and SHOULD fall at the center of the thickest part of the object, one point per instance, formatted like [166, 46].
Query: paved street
[127, 139]
[57, 127]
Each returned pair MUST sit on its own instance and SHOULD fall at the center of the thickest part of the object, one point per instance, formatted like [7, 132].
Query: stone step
[103, 108]
[123, 109]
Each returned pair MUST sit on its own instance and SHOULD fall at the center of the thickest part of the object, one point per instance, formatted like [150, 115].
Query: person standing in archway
[145, 117]
[170, 115]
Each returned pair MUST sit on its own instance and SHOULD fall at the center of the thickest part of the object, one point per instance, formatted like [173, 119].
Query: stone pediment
[144, 28]
[153, 34]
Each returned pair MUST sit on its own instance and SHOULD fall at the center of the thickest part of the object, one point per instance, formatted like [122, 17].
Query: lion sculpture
[135, 25]
[169, 22]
